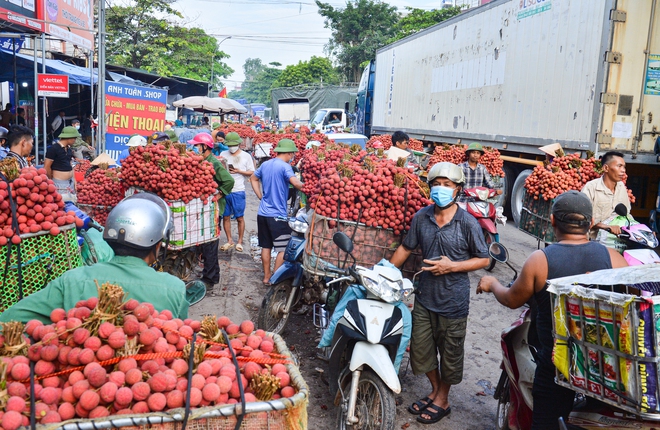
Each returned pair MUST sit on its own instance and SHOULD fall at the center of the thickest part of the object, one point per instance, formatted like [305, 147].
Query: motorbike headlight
[389, 291]
[298, 226]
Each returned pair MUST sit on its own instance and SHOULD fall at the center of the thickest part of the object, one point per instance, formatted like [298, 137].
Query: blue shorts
[235, 204]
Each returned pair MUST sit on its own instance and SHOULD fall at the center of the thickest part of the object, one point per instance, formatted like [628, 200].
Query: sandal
[421, 404]
[239, 247]
[226, 247]
[435, 412]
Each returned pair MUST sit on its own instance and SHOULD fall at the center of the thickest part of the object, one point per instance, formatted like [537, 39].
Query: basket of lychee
[111, 362]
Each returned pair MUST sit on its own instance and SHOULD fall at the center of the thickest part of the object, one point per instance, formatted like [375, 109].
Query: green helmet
[446, 170]
[286, 145]
[233, 139]
[474, 146]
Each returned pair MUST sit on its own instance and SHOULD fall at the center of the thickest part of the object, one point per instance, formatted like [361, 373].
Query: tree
[252, 67]
[418, 19]
[317, 69]
[259, 79]
[358, 31]
[146, 36]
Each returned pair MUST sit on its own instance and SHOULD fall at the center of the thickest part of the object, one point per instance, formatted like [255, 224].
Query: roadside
[239, 293]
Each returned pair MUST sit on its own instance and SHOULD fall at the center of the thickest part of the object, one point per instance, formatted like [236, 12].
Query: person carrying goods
[135, 230]
[476, 174]
[203, 144]
[452, 245]
[573, 254]
[240, 165]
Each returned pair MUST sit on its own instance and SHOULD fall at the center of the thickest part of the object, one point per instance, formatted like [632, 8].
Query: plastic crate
[535, 218]
[44, 257]
[370, 245]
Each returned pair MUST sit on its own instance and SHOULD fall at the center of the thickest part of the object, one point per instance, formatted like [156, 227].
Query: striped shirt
[478, 177]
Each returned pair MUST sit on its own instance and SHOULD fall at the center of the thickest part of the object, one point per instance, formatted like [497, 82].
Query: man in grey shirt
[452, 244]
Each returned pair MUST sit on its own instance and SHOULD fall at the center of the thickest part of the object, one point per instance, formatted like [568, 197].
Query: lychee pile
[39, 207]
[131, 360]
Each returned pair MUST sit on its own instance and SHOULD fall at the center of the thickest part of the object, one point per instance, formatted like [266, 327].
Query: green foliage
[316, 70]
[358, 31]
[418, 19]
[259, 79]
[146, 36]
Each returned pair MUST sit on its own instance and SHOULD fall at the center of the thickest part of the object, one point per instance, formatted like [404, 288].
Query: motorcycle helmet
[136, 140]
[202, 139]
[139, 221]
[446, 170]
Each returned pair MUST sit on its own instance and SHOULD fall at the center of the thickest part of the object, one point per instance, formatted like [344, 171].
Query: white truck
[520, 74]
[330, 118]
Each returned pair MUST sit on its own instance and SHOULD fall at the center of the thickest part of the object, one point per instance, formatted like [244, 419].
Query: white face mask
[77, 127]
[233, 149]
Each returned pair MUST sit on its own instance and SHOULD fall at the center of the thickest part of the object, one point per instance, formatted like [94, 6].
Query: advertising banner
[20, 12]
[132, 110]
[50, 85]
[70, 20]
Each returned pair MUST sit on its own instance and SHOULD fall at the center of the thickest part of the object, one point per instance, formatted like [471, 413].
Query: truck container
[520, 74]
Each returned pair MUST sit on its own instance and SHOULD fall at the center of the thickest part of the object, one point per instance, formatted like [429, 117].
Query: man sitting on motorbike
[476, 174]
[135, 230]
[573, 254]
[452, 245]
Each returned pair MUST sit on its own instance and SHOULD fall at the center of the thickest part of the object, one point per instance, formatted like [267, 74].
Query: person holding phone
[240, 165]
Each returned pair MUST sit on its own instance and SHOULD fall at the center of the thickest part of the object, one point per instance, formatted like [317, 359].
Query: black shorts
[273, 233]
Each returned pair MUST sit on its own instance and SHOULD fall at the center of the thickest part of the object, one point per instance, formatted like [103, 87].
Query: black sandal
[421, 404]
[435, 412]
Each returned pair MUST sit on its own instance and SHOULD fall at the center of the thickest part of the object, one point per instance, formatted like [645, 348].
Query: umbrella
[208, 104]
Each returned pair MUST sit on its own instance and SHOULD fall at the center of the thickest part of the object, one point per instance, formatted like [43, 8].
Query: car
[349, 138]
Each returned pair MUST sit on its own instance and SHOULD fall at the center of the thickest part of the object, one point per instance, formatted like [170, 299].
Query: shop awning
[25, 69]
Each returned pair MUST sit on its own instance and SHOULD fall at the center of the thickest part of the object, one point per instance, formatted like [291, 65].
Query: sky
[284, 31]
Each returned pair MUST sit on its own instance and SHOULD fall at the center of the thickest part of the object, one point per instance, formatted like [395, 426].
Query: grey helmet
[139, 221]
[3, 133]
[446, 170]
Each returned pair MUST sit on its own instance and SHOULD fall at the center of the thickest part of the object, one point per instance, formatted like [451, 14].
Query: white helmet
[446, 170]
[139, 221]
[137, 140]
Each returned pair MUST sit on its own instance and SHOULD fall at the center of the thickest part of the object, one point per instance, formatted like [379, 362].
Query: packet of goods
[645, 348]
[576, 368]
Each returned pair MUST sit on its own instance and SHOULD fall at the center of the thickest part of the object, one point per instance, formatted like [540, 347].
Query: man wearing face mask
[452, 245]
[203, 145]
[81, 149]
[240, 165]
[275, 176]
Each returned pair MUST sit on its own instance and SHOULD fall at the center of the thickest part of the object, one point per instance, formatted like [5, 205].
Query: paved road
[239, 293]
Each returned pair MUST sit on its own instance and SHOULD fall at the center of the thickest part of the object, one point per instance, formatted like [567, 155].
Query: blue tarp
[25, 69]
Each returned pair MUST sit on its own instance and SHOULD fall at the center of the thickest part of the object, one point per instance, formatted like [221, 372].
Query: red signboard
[53, 85]
[70, 20]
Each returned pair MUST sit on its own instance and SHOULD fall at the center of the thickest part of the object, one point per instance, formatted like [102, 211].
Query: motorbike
[291, 283]
[514, 388]
[476, 203]
[370, 329]
[637, 240]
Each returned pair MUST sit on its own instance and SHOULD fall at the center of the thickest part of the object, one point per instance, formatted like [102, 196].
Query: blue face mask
[195, 149]
[442, 196]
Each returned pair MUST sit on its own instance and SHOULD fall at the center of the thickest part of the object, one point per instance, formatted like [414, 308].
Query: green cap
[215, 125]
[474, 146]
[173, 137]
[286, 145]
[249, 120]
[233, 139]
[69, 132]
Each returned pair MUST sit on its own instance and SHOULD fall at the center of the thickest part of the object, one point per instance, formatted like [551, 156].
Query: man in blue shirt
[275, 176]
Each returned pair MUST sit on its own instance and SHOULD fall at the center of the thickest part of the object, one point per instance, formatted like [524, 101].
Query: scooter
[639, 240]
[369, 337]
[514, 388]
[487, 215]
[291, 283]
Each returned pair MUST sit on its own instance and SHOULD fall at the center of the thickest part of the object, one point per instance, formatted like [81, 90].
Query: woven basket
[44, 257]
[281, 414]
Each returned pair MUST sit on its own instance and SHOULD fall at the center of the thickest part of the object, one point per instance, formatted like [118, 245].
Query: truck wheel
[517, 194]
[375, 407]
[509, 178]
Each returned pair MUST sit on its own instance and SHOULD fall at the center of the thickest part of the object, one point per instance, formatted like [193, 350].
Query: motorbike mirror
[621, 210]
[498, 252]
[343, 242]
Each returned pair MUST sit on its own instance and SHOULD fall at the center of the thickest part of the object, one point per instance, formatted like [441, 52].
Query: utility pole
[100, 93]
[212, 81]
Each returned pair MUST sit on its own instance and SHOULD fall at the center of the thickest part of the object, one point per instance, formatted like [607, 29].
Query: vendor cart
[535, 218]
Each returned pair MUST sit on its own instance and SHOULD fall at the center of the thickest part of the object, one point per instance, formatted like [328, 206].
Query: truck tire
[517, 194]
[510, 173]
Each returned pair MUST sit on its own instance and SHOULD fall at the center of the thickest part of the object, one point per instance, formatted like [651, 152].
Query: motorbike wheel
[375, 407]
[490, 238]
[271, 314]
[503, 404]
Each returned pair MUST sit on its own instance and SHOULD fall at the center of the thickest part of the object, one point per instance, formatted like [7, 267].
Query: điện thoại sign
[132, 110]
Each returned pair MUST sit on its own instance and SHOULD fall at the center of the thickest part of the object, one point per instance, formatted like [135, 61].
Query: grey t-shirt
[461, 239]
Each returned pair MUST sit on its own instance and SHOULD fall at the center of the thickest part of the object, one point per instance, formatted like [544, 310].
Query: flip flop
[435, 412]
[239, 248]
[226, 247]
[421, 405]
